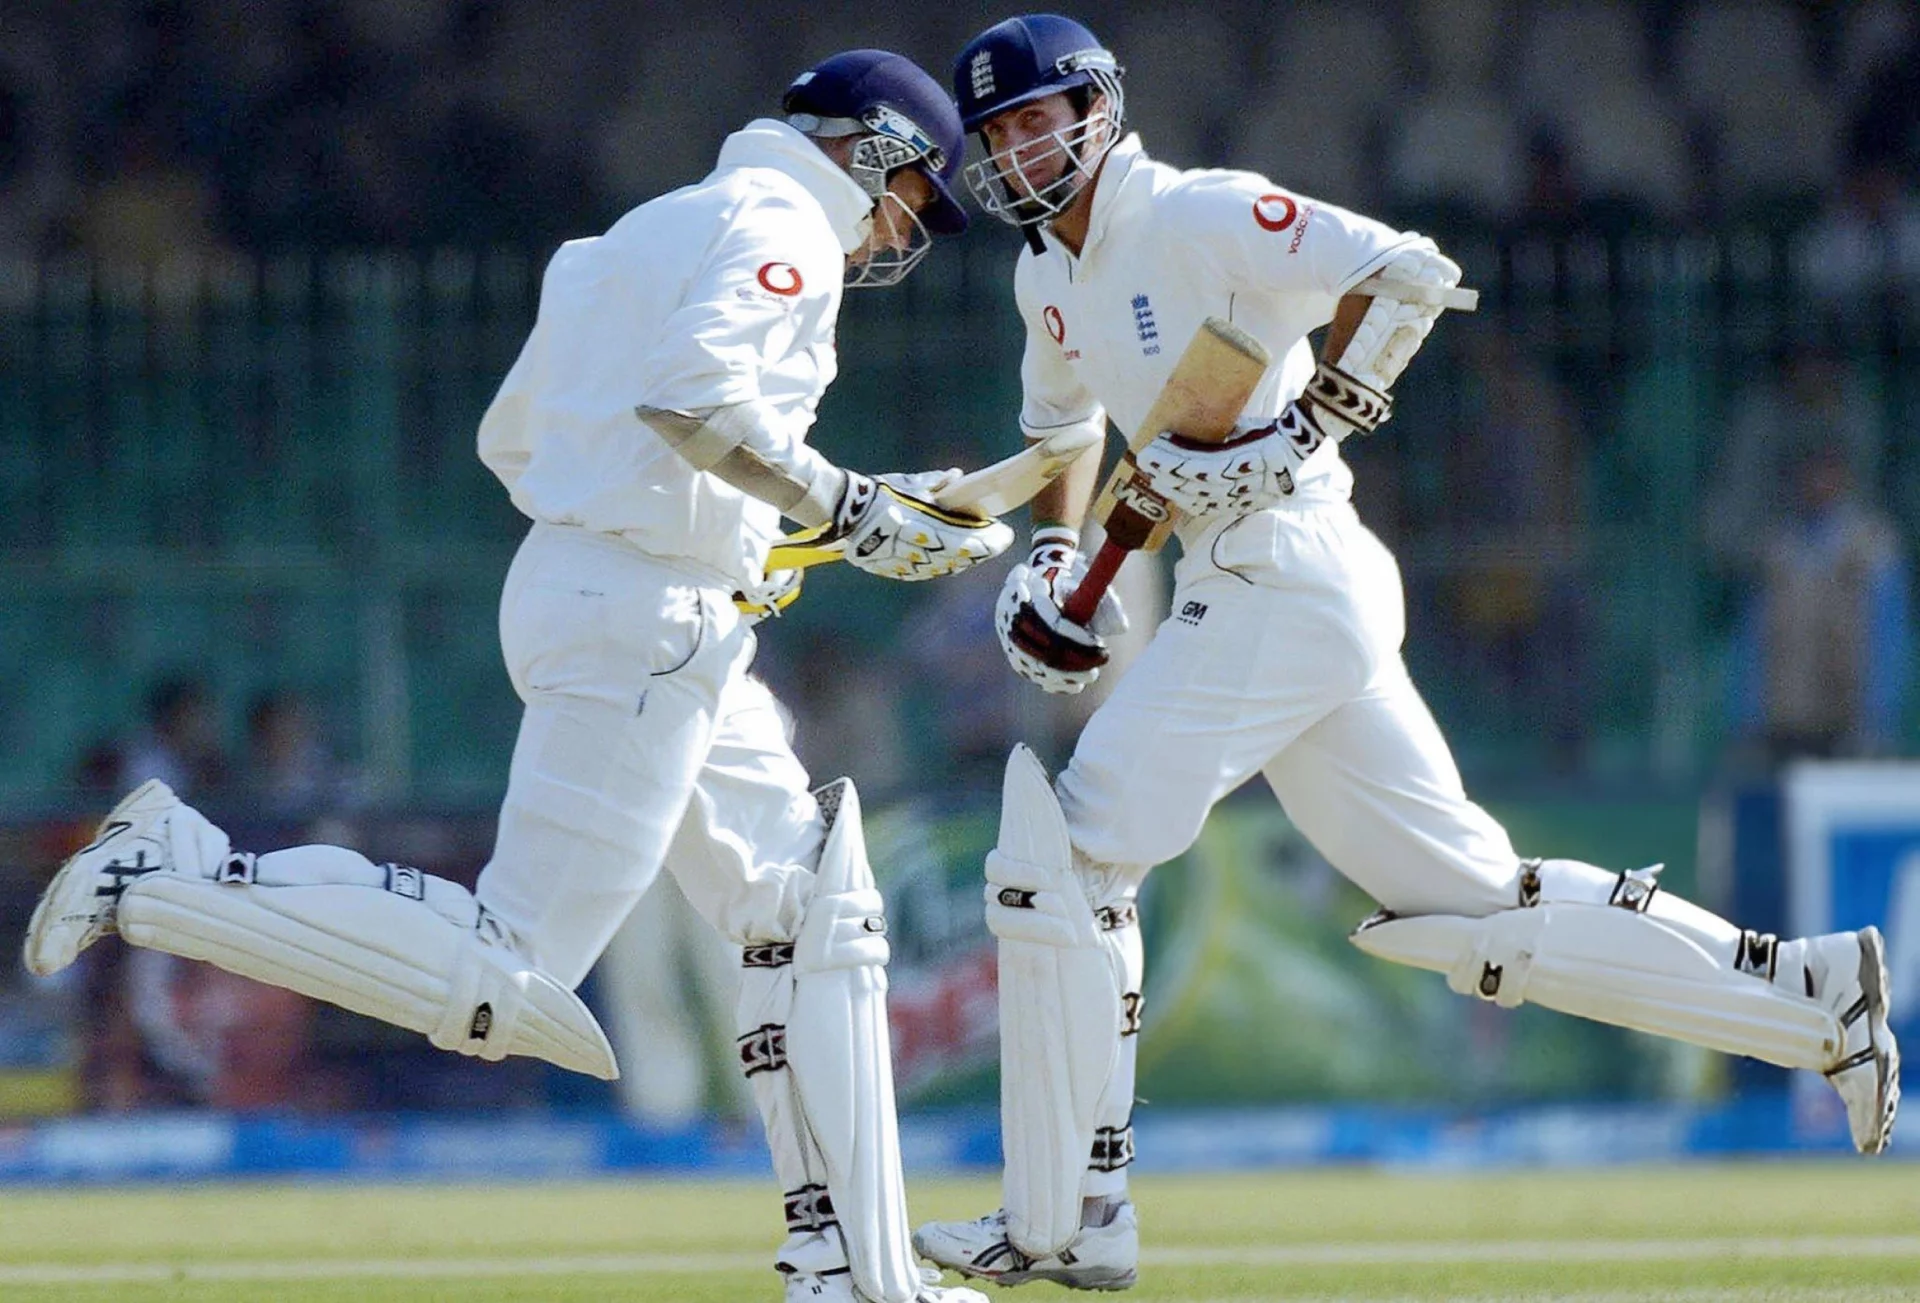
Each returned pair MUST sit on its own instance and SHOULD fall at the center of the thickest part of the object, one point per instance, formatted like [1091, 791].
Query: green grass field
[1835, 1231]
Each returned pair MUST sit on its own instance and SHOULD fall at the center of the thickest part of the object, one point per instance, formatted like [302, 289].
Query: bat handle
[1085, 600]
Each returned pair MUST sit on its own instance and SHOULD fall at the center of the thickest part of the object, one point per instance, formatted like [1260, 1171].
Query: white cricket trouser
[644, 742]
[1282, 657]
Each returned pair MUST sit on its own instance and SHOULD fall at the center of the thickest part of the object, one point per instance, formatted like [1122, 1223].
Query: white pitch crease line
[1417, 1251]
[1384, 1253]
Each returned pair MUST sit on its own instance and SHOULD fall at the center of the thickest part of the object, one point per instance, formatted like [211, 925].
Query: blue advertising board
[1853, 860]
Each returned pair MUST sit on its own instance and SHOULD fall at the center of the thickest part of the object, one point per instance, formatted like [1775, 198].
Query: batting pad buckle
[1635, 890]
[810, 1208]
[238, 868]
[1112, 1148]
[405, 880]
[764, 1049]
[776, 954]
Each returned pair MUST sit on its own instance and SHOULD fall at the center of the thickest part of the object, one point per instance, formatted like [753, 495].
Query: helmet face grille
[901, 137]
[1002, 182]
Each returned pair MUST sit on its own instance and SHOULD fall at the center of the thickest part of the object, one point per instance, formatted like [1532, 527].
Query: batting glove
[1043, 646]
[893, 529]
[1255, 470]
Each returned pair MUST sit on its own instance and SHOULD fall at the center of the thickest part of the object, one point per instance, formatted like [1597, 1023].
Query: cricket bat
[990, 491]
[1202, 400]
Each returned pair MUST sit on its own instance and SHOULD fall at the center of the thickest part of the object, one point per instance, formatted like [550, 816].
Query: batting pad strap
[810, 1208]
[1615, 966]
[374, 953]
[1112, 1148]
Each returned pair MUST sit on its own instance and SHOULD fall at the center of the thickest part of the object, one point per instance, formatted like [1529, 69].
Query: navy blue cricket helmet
[1028, 57]
[1016, 62]
[904, 114]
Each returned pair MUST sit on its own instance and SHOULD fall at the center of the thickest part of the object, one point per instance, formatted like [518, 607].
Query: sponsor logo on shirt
[782, 278]
[1057, 327]
[1276, 212]
[1143, 325]
[1192, 613]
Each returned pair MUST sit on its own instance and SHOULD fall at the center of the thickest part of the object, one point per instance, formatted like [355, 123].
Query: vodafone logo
[780, 278]
[1274, 212]
[1056, 324]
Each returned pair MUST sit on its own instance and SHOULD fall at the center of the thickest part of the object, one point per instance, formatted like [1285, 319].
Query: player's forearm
[738, 444]
[1064, 502]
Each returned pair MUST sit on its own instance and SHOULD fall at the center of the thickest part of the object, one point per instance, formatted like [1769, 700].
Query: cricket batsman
[654, 430]
[1281, 658]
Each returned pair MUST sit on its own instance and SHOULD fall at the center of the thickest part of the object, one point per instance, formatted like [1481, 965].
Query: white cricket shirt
[718, 293]
[1165, 249]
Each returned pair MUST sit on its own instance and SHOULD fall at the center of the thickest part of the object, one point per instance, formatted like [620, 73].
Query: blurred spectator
[1825, 650]
[149, 203]
[966, 699]
[1811, 394]
[491, 179]
[289, 771]
[1514, 511]
[1549, 195]
[33, 176]
[180, 742]
[1866, 242]
[845, 698]
[316, 163]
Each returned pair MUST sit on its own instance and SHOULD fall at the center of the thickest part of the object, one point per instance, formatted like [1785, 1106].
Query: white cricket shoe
[816, 1270]
[1100, 1257]
[139, 837]
[1848, 971]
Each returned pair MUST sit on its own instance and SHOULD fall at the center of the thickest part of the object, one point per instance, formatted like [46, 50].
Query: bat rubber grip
[1085, 600]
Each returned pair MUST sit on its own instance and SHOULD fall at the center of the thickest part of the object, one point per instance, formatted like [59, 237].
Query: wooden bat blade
[1201, 400]
[1208, 387]
[1011, 482]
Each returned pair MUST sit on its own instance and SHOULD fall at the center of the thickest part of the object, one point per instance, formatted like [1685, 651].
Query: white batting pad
[1062, 980]
[1614, 965]
[816, 1049]
[380, 952]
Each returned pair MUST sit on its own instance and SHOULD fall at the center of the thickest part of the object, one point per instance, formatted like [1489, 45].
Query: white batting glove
[894, 530]
[1255, 469]
[1043, 646]
[1247, 473]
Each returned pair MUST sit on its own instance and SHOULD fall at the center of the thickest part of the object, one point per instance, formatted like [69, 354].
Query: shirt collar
[765, 142]
[1114, 171]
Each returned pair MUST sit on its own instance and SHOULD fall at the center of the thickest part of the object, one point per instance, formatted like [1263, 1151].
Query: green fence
[263, 474]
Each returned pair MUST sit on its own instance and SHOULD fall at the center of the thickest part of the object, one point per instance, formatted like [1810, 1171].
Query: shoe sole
[1012, 1279]
[70, 890]
[1104, 1281]
[1875, 985]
